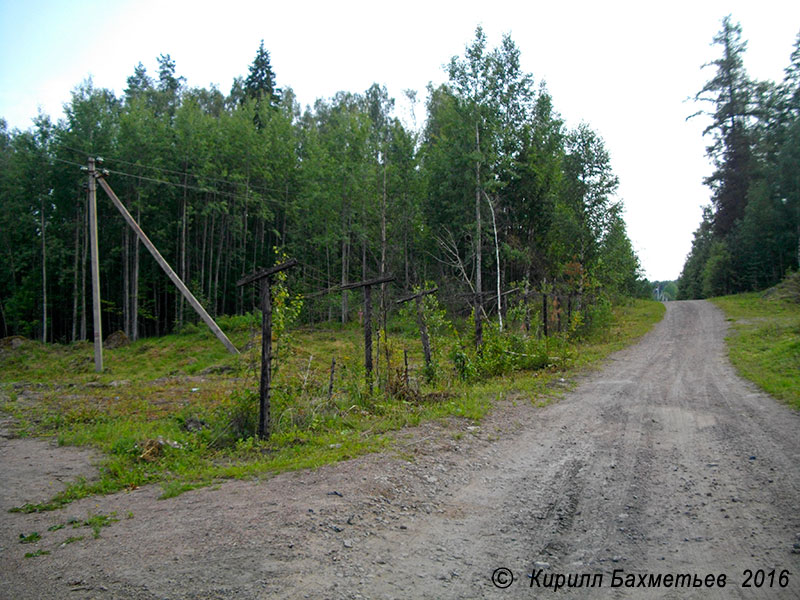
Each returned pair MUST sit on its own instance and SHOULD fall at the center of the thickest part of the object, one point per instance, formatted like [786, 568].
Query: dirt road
[661, 465]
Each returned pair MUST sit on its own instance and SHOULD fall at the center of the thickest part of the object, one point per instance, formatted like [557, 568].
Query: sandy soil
[663, 462]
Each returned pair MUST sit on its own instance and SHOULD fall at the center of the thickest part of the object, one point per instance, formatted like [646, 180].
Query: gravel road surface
[659, 466]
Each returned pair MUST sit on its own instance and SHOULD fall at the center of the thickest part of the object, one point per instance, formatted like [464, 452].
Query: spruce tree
[260, 82]
[730, 91]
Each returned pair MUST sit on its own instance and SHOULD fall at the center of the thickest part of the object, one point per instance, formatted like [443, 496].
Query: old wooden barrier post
[423, 327]
[264, 276]
[367, 285]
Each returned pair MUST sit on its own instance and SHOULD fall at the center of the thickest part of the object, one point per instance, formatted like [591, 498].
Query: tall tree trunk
[345, 260]
[44, 276]
[126, 281]
[406, 281]
[259, 227]
[262, 238]
[497, 258]
[527, 318]
[798, 235]
[226, 271]
[285, 213]
[478, 254]
[183, 246]
[364, 239]
[76, 265]
[159, 312]
[329, 282]
[383, 229]
[135, 283]
[383, 272]
[223, 234]
[203, 255]
[405, 244]
[4, 319]
[240, 291]
[423, 332]
[84, 252]
[210, 289]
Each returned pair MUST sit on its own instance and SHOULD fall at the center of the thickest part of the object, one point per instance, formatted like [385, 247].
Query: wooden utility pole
[98, 325]
[160, 260]
[367, 285]
[423, 327]
[264, 276]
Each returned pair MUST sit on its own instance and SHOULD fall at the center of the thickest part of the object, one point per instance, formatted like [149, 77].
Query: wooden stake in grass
[330, 383]
[405, 360]
[264, 276]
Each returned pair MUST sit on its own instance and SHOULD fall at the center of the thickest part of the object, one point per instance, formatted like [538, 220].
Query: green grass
[181, 412]
[95, 521]
[31, 538]
[764, 344]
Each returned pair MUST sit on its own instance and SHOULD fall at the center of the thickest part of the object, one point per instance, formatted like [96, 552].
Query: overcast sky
[626, 68]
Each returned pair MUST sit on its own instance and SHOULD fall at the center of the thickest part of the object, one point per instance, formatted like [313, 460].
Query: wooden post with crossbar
[423, 327]
[367, 286]
[263, 276]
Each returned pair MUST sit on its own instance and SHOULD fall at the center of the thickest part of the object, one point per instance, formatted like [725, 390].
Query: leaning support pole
[167, 269]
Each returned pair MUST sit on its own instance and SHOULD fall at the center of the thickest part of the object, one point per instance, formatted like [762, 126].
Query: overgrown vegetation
[156, 419]
[764, 344]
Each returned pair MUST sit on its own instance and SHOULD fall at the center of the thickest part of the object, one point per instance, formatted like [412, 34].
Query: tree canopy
[493, 187]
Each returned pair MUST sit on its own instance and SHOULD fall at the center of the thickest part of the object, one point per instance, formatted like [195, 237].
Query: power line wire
[181, 173]
[207, 190]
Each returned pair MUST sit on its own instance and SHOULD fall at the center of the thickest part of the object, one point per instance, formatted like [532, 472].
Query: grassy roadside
[179, 411]
[764, 344]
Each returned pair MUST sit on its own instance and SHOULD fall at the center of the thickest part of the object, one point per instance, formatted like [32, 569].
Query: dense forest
[491, 193]
[750, 236]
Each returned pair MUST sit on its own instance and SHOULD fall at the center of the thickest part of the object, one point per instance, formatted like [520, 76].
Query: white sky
[626, 68]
